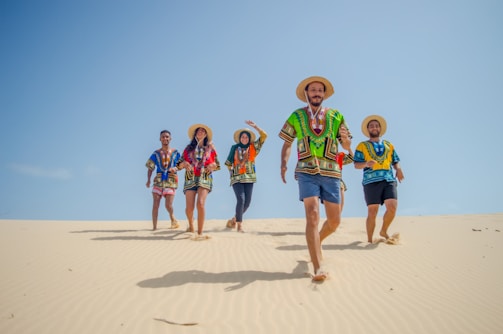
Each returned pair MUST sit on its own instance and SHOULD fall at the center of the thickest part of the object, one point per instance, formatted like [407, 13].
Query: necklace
[317, 119]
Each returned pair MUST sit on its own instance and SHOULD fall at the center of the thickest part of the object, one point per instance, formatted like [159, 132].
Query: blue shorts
[326, 188]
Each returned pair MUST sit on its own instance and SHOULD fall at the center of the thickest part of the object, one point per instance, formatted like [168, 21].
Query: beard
[375, 134]
[315, 104]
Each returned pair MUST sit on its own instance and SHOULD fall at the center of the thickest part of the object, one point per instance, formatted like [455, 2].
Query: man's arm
[399, 172]
[285, 155]
[149, 175]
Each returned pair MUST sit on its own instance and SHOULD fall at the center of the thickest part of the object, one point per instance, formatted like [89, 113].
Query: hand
[370, 163]
[283, 173]
[251, 123]
[211, 167]
[148, 184]
[399, 175]
[346, 143]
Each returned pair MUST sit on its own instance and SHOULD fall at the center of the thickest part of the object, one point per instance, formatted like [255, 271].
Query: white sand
[446, 276]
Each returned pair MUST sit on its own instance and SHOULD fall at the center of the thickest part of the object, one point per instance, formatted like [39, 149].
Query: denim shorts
[326, 188]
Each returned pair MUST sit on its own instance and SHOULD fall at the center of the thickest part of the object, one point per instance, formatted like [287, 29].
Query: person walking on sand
[377, 157]
[241, 165]
[319, 131]
[199, 160]
[163, 161]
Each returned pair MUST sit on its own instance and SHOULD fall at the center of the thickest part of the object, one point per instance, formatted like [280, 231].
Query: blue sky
[86, 87]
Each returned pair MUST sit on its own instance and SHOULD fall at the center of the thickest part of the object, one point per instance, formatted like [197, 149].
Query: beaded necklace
[316, 119]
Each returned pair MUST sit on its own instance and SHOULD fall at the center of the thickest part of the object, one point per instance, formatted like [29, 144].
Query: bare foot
[174, 224]
[384, 234]
[231, 223]
[240, 228]
[394, 239]
[320, 276]
[200, 237]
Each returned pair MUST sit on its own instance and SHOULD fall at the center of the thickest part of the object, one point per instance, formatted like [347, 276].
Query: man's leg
[311, 207]
[391, 206]
[155, 209]
[372, 210]
[169, 206]
[333, 212]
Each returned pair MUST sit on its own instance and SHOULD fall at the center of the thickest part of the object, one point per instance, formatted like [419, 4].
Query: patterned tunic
[242, 168]
[199, 159]
[163, 161]
[381, 171]
[317, 148]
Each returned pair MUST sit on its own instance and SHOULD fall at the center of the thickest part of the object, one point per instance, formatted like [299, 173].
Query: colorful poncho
[162, 161]
[199, 158]
[382, 170]
[316, 149]
[241, 160]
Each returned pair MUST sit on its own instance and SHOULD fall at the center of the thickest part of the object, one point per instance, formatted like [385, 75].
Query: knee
[312, 214]
[200, 205]
[332, 225]
[372, 210]
[392, 206]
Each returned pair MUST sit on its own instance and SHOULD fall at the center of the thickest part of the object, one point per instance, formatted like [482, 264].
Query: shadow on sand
[239, 279]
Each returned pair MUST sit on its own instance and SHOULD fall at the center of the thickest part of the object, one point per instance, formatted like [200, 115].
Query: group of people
[319, 132]
[200, 160]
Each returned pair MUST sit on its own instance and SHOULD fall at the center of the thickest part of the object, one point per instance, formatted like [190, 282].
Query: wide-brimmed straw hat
[237, 135]
[301, 88]
[193, 128]
[368, 119]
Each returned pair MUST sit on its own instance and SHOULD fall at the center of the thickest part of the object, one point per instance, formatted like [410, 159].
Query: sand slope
[120, 277]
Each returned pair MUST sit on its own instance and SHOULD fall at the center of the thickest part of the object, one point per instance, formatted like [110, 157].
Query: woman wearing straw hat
[378, 157]
[241, 165]
[199, 160]
[318, 131]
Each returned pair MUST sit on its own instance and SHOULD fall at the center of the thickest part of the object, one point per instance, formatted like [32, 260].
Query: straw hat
[329, 89]
[237, 135]
[193, 128]
[378, 118]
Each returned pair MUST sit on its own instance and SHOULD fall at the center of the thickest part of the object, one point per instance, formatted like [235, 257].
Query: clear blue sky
[86, 87]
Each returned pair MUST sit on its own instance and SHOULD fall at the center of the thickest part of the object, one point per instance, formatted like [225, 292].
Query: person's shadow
[240, 279]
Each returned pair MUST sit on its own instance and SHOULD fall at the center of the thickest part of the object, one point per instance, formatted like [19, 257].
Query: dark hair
[165, 131]
[193, 142]
[324, 88]
[247, 134]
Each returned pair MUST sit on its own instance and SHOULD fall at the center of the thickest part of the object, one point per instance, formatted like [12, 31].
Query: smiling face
[315, 93]
[374, 129]
[244, 138]
[165, 138]
[200, 134]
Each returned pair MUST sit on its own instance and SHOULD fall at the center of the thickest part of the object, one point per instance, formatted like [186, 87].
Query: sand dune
[120, 277]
